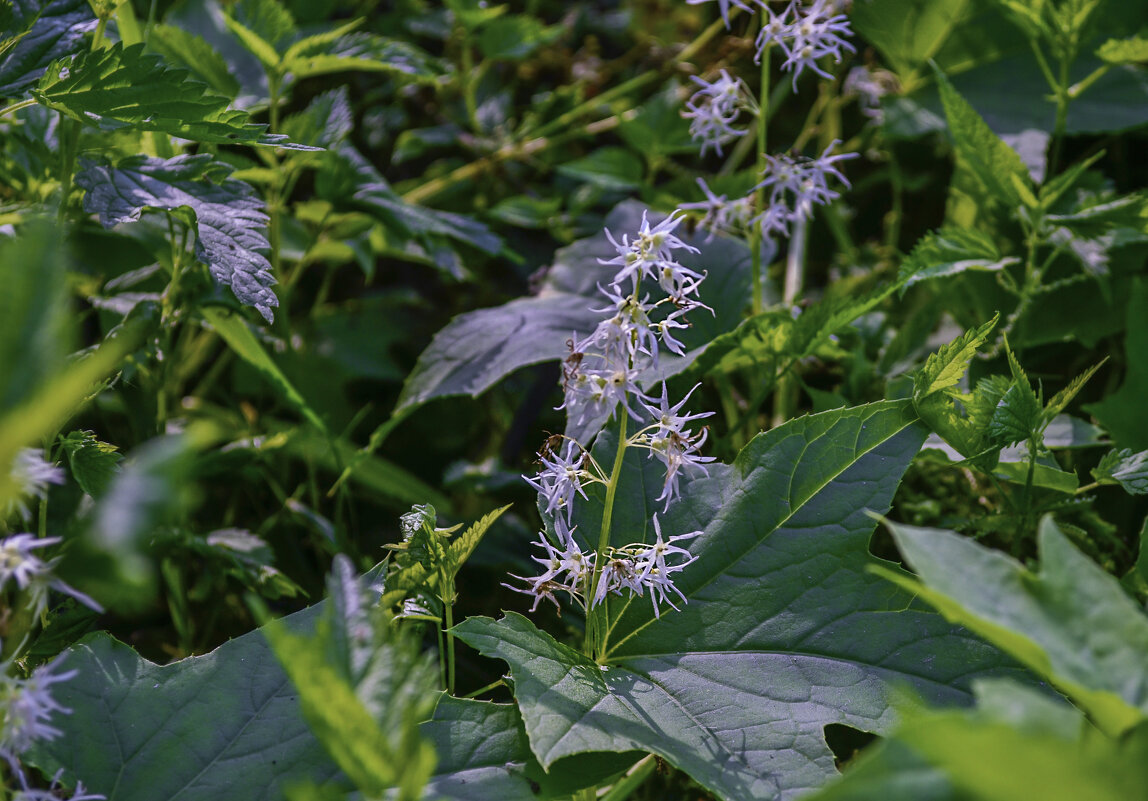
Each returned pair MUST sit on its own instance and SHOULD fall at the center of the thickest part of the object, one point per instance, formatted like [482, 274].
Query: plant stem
[448, 610]
[69, 144]
[625, 787]
[591, 645]
[757, 304]
[1062, 100]
[12, 109]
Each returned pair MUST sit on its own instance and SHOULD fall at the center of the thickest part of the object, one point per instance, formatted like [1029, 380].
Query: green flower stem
[469, 83]
[757, 303]
[592, 644]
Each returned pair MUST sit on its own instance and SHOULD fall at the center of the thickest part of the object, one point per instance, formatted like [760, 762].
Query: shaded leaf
[1071, 623]
[614, 168]
[184, 49]
[513, 37]
[784, 632]
[1122, 412]
[228, 214]
[52, 30]
[326, 121]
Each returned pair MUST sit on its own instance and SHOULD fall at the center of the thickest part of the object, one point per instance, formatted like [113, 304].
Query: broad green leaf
[945, 368]
[1017, 744]
[472, 14]
[1133, 50]
[1128, 469]
[239, 337]
[949, 251]
[388, 205]
[52, 30]
[233, 717]
[184, 49]
[94, 464]
[514, 37]
[326, 121]
[265, 27]
[478, 349]
[784, 631]
[613, 168]
[1071, 623]
[996, 164]
[228, 215]
[1122, 412]
[126, 87]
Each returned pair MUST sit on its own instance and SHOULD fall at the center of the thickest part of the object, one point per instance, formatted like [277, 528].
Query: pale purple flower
[561, 478]
[672, 443]
[30, 476]
[723, 7]
[33, 575]
[27, 708]
[796, 185]
[806, 34]
[720, 214]
[714, 108]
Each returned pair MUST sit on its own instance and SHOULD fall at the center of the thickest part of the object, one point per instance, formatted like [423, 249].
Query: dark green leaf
[1122, 412]
[228, 214]
[784, 632]
[1017, 416]
[124, 86]
[614, 168]
[326, 121]
[54, 29]
[420, 220]
[514, 37]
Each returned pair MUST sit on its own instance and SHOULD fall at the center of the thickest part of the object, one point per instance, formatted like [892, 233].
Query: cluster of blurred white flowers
[796, 185]
[600, 378]
[29, 478]
[714, 108]
[806, 34]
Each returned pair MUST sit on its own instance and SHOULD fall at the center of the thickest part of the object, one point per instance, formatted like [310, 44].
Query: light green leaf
[1133, 50]
[945, 368]
[1071, 623]
[784, 631]
[184, 49]
[364, 52]
[124, 86]
[949, 251]
[94, 464]
[996, 164]
[1128, 469]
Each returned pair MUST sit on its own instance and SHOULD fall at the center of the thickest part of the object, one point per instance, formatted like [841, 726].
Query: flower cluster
[601, 375]
[869, 86]
[714, 108]
[633, 568]
[806, 34]
[795, 186]
[720, 215]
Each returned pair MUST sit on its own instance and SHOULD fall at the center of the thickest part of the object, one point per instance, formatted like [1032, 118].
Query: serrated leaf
[51, 30]
[784, 631]
[1128, 469]
[1061, 399]
[1132, 50]
[367, 52]
[514, 37]
[945, 368]
[416, 220]
[326, 121]
[228, 214]
[184, 49]
[982, 404]
[1102, 214]
[1018, 415]
[415, 575]
[124, 86]
[1071, 623]
[265, 27]
[996, 164]
[94, 464]
[949, 251]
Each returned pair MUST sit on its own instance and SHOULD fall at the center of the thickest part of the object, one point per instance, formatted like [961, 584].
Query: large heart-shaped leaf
[786, 631]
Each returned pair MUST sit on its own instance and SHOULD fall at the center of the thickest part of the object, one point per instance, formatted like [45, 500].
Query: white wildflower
[796, 185]
[714, 108]
[30, 476]
[27, 707]
[806, 34]
[33, 575]
[720, 214]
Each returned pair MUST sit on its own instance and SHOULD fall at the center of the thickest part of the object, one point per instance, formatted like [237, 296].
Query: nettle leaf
[996, 164]
[1071, 623]
[785, 630]
[516, 36]
[478, 349]
[94, 464]
[228, 214]
[365, 52]
[1128, 469]
[1133, 50]
[326, 122]
[126, 87]
[945, 368]
[51, 30]
[949, 251]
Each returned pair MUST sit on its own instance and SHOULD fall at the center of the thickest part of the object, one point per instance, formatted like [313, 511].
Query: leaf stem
[12, 109]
